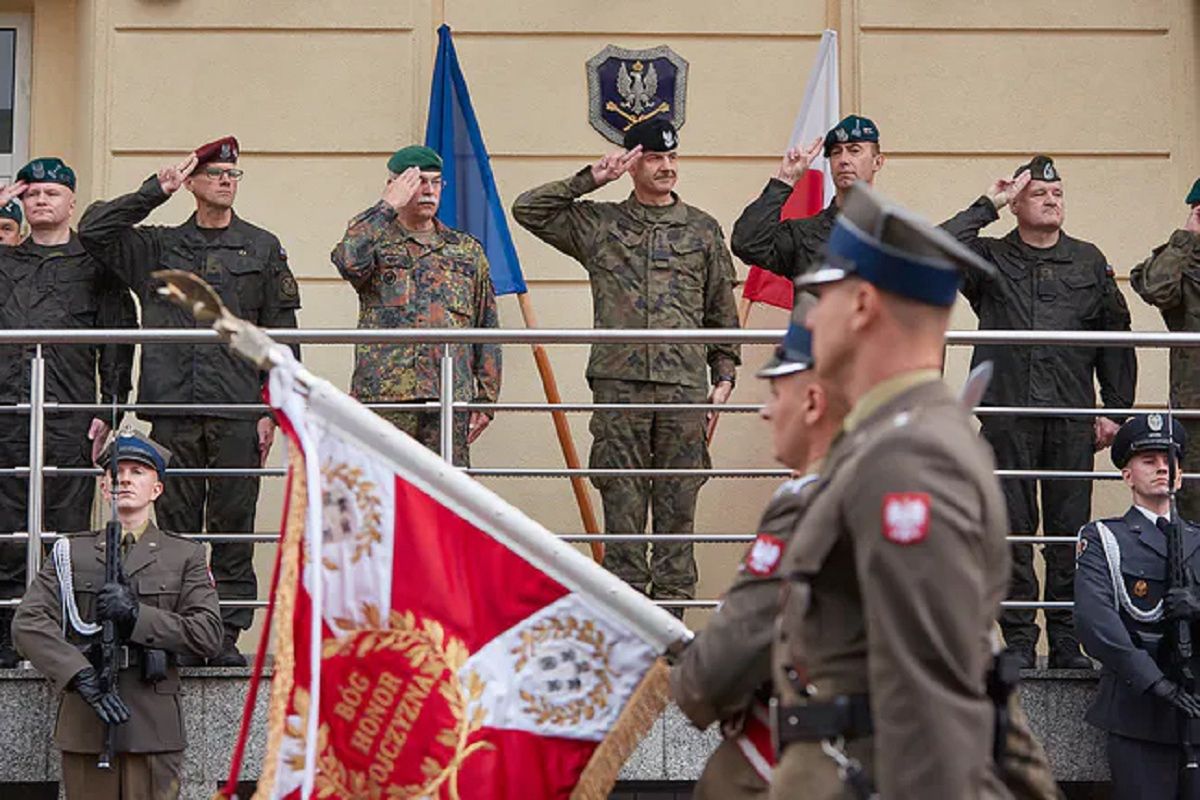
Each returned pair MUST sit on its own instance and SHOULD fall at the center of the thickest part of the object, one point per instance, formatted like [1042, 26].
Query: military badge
[905, 517]
[626, 87]
[1048, 171]
[763, 556]
[1140, 588]
[1154, 422]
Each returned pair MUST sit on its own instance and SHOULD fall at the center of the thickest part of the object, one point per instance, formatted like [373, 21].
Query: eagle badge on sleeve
[905, 517]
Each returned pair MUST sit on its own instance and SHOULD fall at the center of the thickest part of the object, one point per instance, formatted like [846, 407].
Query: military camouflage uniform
[1167, 280]
[248, 268]
[649, 268]
[413, 280]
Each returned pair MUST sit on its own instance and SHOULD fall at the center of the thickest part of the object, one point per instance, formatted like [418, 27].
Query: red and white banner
[818, 114]
[433, 641]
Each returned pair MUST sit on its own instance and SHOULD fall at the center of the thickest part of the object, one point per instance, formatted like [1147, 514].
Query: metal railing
[38, 407]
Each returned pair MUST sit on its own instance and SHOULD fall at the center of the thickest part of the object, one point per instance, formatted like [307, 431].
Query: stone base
[673, 750]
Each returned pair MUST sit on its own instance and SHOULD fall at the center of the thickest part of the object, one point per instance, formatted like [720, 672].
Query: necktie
[127, 542]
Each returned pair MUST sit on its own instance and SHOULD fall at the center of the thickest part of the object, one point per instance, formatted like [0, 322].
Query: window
[15, 33]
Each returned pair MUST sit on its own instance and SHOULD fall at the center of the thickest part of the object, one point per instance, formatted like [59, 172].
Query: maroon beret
[224, 150]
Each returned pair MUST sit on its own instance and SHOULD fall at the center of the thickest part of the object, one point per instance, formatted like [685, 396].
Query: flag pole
[565, 440]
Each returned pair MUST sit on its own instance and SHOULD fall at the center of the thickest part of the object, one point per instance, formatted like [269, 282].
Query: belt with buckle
[846, 716]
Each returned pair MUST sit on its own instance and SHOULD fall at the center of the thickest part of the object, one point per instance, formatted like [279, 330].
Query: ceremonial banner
[432, 641]
[818, 113]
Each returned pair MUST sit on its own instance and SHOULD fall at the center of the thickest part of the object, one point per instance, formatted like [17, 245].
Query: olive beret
[415, 155]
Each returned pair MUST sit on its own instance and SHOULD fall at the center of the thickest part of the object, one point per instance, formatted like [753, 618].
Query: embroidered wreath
[573, 711]
[366, 499]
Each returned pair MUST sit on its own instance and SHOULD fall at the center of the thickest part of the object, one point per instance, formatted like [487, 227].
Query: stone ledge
[673, 750]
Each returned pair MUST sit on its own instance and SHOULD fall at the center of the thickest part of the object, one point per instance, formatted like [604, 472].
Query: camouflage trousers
[649, 440]
[426, 428]
[1189, 496]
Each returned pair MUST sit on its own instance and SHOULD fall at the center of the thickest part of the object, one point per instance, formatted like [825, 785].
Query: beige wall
[320, 92]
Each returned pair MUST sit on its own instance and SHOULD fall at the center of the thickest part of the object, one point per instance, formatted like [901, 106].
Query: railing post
[446, 406]
[37, 460]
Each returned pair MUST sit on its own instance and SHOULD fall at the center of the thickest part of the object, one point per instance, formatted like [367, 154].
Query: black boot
[1025, 652]
[9, 657]
[229, 655]
[1066, 654]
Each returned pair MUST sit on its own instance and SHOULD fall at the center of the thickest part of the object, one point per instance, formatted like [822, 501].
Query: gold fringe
[285, 604]
[645, 706]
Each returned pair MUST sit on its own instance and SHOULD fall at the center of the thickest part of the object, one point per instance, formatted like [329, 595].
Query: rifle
[1179, 632]
[110, 648]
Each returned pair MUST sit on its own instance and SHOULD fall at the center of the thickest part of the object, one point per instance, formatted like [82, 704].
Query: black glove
[108, 706]
[118, 604]
[1181, 604]
[1174, 694]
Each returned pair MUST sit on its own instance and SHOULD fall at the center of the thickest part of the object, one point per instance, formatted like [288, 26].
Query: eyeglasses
[232, 173]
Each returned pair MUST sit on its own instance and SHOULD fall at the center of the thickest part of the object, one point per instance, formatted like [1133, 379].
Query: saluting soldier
[164, 606]
[11, 219]
[1122, 612]
[895, 574]
[49, 281]
[789, 247]
[248, 268]
[411, 271]
[1166, 280]
[1045, 280]
[724, 675]
[653, 261]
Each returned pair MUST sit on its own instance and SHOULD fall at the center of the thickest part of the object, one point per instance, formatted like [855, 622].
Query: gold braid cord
[645, 706]
[285, 603]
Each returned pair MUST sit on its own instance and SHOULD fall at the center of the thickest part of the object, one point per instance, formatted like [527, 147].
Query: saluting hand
[1005, 190]
[170, 178]
[614, 165]
[1192, 224]
[797, 160]
[402, 188]
[11, 192]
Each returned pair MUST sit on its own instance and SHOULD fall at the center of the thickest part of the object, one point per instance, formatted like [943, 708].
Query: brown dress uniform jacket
[178, 613]
[721, 674]
[904, 545]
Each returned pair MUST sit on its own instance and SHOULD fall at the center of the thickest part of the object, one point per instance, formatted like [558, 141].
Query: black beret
[47, 170]
[656, 135]
[852, 129]
[1041, 168]
[1146, 432]
[12, 210]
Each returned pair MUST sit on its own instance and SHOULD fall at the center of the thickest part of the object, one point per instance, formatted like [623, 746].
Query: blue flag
[470, 201]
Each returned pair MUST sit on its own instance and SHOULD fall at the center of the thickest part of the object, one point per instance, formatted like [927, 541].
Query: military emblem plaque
[626, 87]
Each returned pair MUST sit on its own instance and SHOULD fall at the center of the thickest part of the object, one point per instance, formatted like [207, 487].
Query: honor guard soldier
[653, 262]
[49, 281]
[894, 577]
[1166, 281]
[11, 218]
[411, 271]
[1044, 280]
[1123, 609]
[789, 247]
[724, 675]
[248, 268]
[164, 606]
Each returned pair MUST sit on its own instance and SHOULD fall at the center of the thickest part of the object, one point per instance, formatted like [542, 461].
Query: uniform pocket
[159, 589]
[247, 278]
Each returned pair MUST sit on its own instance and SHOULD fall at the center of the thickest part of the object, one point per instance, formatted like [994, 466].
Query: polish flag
[818, 114]
[433, 641]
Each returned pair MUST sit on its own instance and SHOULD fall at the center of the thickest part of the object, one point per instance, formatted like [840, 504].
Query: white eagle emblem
[1154, 422]
[764, 554]
[1048, 171]
[905, 517]
[638, 91]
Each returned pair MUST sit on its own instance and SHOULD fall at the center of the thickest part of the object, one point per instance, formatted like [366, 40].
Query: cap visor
[777, 369]
[819, 277]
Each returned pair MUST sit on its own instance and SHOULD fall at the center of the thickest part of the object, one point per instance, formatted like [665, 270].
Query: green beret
[1041, 168]
[47, 170]
[415, 155]
[12, 210]
[1194, 195]
[852, 129]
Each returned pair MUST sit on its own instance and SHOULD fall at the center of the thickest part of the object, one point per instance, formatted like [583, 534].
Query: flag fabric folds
[818, 113]
[432, 640]
[470, 201]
